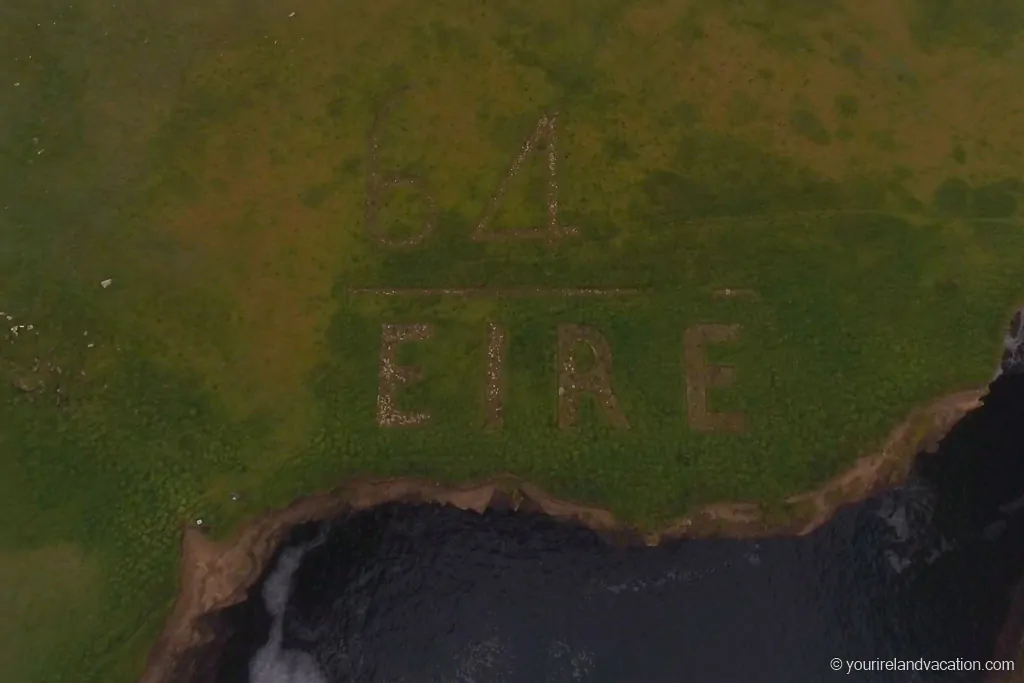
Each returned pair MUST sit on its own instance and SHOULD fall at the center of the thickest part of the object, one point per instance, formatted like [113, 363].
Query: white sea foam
[1013, 346]
[486, 660]
[271, 663]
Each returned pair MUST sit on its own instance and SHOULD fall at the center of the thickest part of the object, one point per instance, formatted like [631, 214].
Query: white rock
[106, 283]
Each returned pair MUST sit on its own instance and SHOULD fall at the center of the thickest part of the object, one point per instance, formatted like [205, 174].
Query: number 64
[378, 187]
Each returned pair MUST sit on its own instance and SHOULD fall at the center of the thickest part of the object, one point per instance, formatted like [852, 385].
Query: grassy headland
[851, 171]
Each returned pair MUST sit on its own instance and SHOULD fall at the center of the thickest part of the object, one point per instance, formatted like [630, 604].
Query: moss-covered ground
[854, 169]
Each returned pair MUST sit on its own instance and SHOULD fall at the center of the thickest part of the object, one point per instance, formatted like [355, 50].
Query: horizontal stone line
[510, 292]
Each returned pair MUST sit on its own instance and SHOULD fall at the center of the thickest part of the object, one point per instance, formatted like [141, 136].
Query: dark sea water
[425, 594]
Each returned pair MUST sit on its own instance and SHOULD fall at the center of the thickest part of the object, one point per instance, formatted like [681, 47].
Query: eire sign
[574, 381]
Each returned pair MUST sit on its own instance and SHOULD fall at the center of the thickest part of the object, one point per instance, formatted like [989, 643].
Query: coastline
[214, 575]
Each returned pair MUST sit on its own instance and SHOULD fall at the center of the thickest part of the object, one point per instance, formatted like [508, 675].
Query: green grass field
[853, 170]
